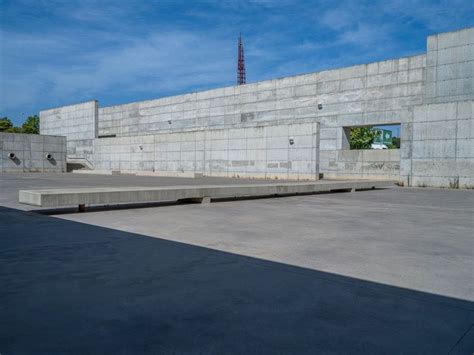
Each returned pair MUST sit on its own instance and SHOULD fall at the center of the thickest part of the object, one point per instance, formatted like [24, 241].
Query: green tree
[31, 125]
[362, 137]
[396, 142]
[14, 130]
[5, 124]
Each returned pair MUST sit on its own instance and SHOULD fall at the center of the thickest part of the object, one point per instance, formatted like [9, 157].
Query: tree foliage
[5, 124]
[396, 142]
[362, 137]
[30, 126]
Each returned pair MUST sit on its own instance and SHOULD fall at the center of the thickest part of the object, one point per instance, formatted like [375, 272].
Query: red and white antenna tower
[241, 63]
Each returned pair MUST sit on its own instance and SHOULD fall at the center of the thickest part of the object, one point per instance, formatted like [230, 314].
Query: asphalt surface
[374, 272]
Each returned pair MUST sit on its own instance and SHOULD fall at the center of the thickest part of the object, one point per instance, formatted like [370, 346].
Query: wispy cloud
[161, 62]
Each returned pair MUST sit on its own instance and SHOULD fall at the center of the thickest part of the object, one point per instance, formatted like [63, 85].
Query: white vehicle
[378, 146]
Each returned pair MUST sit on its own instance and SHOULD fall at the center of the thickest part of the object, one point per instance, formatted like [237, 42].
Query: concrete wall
[376, 93]
[30, 151]
[79, 123]
[442, 146]
[450, 67]
[375, 164]
[388, 92]
[257, 152]
[369, 93]
[437, 144]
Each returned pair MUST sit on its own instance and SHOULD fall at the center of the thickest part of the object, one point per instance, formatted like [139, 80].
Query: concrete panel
[78, 123]
[443, 167]
[31, 153]
[450, 70]
[435, 149]
[442, 149]
[373, 164]
[465, 129]
[435, 130]
[225, 152]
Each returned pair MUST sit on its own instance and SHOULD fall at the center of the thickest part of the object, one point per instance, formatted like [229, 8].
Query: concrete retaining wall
[389, 92]
[442, 146]
[450, 67]
[259, 152]
[30, 153]
[369, 93]
[79, 123]
[366, 164]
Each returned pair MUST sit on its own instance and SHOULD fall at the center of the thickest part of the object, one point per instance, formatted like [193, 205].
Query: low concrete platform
[203, 193]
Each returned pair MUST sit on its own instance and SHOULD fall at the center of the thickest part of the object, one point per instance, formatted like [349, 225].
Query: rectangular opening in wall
[372, 137]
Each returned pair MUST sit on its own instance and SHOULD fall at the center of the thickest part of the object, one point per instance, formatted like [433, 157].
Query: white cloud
[160, 62]
[437, 16]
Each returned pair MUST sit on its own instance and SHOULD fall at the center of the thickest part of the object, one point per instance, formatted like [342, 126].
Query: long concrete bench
[203, 193]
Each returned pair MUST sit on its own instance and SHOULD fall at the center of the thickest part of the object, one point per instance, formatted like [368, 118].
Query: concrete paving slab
[419, 239]
[69, 287]
[384, 271]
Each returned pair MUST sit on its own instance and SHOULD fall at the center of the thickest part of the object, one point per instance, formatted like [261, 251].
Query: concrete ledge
[191, 174]
[138, 173]
[114, 195]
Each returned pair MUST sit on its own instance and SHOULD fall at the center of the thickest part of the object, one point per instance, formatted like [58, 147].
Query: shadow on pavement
[68, 287]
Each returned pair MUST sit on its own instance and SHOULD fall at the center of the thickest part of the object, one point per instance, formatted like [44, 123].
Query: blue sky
[56, 52]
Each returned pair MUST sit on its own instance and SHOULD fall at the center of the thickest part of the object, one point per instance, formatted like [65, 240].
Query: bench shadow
[69, 287]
